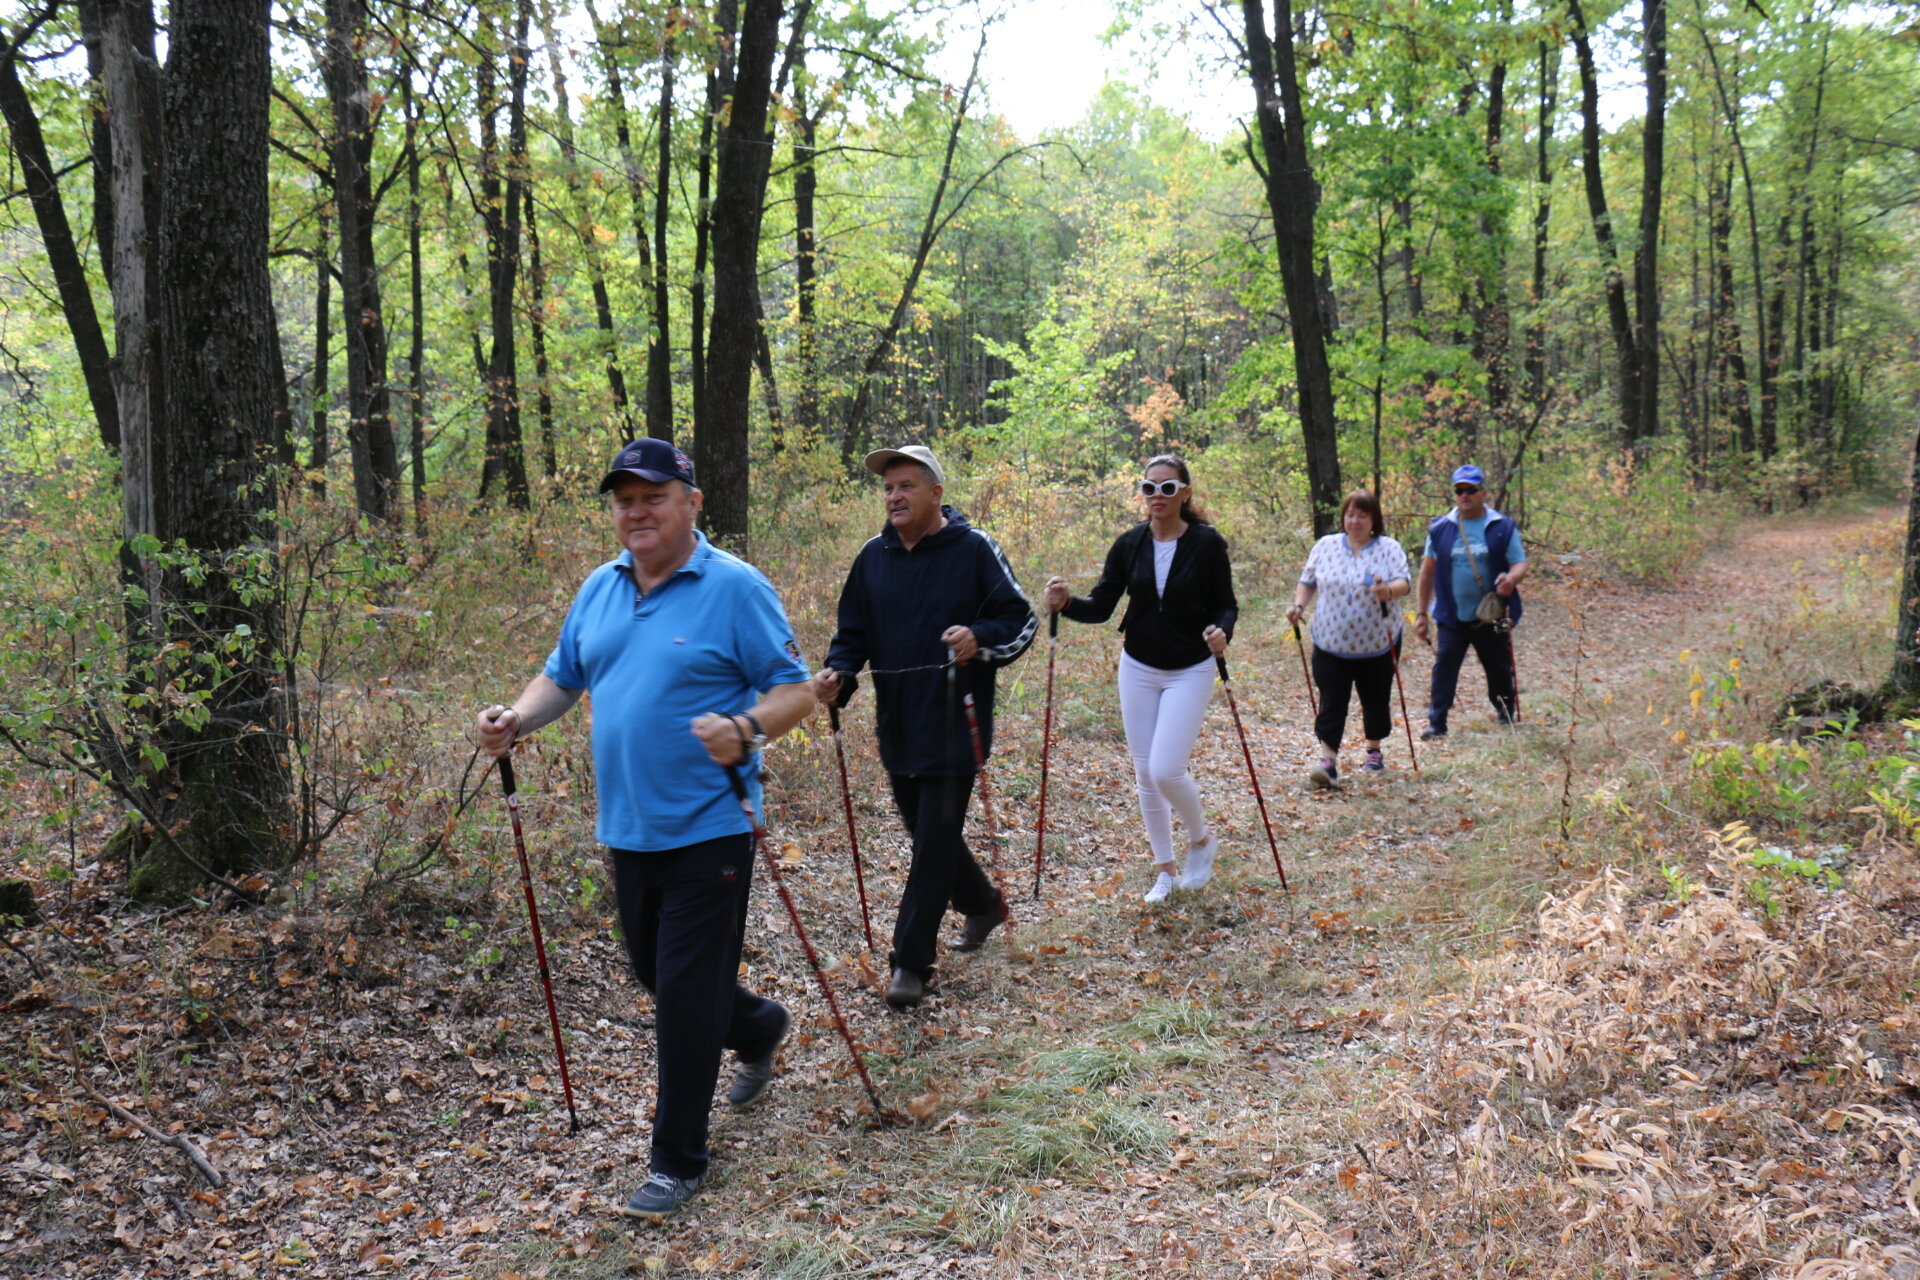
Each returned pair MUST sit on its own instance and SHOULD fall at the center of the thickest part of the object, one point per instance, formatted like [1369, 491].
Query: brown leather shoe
[973, 934]
[905, 989]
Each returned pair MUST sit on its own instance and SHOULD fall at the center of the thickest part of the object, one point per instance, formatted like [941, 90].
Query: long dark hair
[1190, 509]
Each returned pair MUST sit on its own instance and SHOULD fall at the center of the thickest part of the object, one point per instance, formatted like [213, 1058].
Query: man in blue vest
[691, 666]
[1481, 552]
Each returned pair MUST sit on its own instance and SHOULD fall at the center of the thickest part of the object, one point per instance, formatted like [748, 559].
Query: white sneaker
[1162, 888]
[1199, 864]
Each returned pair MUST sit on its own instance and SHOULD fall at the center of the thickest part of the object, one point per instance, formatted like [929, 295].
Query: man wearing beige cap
[928, 591]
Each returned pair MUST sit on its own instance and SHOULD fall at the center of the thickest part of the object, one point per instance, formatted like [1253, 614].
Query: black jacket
[1164, 631]
[893, 609]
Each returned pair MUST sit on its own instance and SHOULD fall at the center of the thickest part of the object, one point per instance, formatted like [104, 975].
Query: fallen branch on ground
[178, 1141]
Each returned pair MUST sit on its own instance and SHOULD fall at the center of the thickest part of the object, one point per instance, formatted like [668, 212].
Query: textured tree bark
[721, 438]
[416, 301]
[1491, 336]
[1292, 198]
[726, 21]
[806, 188]
[130, 93]
[1645, 423]
[63, 255]
[505, 467]
[1625, 344]
[659, 346]
[1536, 356]
[376, 466]
[225, 801]
[1729, 347]
[319, 442]
[1905, 677]
[537, 327]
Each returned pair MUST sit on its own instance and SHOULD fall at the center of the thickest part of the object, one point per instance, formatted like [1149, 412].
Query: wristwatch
[757, 739]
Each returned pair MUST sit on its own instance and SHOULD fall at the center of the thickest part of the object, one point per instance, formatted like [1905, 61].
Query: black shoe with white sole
[750, 1081]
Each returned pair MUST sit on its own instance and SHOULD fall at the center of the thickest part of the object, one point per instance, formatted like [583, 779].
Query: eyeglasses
[1466, 488]
[1161, 488]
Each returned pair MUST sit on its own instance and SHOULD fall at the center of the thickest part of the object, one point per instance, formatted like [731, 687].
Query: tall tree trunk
[1625, 344]
[226, 795]
[1536, 357]
[1292, 197]
[721, 437]
[719, 89]
[1730, 98]
[56, 237]
[583, 226]
[659, 345]
[319, 442]
[130, 94]
[1490, 327]
[806, 187]
[1645, 370]
[1729, 349]
[537, 326]
[416, 301]
[500, 187]
[376, 467]
[1905, 676]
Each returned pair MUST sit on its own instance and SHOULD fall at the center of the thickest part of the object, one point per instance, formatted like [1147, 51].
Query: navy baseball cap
[1470, 474]
[649, 459]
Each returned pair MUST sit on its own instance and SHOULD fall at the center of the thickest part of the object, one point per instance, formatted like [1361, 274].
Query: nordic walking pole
[1046, 746]
[1313, 703]
[539, 944]
[853, 837]
[1401, 685]
[759, 838]
[1220, 662]
[986, 800]
[1513, 669]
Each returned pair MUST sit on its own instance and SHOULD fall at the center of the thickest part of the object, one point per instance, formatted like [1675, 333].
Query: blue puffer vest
[1443, 533]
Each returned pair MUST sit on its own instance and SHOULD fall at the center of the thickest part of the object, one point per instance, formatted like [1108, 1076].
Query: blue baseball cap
[1470, 474]
[649, 459]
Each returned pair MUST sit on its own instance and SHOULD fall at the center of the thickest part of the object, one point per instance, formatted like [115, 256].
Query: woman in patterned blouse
[1354, 574]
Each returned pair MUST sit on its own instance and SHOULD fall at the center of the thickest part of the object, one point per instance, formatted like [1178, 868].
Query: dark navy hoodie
[893, 609]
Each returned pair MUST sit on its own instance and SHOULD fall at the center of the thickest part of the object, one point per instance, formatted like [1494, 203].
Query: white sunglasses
[1163, 488]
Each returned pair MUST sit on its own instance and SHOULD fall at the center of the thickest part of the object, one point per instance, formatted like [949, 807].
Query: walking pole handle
[506, 774]
[1220, 662]
[1053, 624]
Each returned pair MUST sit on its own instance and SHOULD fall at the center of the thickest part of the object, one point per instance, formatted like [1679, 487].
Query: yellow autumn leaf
[1679, 736]
[1696, 697]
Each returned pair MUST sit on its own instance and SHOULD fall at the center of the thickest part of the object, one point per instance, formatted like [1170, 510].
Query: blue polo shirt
[704, 640]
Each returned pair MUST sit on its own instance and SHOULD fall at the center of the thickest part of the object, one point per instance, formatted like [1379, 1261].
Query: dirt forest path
[1107, 1090]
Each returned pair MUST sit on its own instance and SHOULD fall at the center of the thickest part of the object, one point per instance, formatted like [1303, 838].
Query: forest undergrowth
[1627, 990]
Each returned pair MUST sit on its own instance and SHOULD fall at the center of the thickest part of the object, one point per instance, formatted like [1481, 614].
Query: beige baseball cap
[880, 459]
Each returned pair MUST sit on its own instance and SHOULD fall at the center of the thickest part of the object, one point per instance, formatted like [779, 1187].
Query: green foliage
[1055, 425]
[1896, 791]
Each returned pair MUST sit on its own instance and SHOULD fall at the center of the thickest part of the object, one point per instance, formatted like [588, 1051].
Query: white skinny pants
[1162, 711]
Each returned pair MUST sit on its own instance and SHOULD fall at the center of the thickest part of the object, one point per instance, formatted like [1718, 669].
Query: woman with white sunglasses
[1173, 568]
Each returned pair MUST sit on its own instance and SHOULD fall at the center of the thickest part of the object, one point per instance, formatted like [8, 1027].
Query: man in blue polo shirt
[671, 639]
[1481, 552]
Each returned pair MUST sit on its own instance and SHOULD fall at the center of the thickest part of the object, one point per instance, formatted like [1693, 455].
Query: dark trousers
[682, 914]
[934, 810]
[1339, 678]
[1450, 644]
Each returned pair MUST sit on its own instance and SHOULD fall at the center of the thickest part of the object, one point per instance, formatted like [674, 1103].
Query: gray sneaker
[750, 1081]
[659, 1196]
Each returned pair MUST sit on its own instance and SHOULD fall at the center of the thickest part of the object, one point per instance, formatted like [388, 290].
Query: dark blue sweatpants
[1492, 646]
